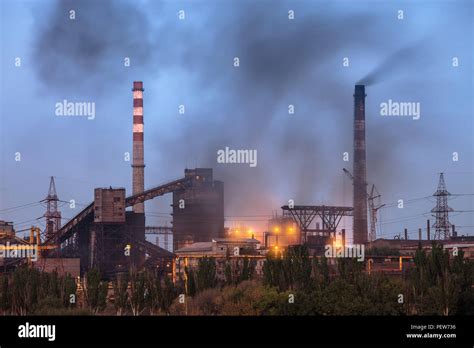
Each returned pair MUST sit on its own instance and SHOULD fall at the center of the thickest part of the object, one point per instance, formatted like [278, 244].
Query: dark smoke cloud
[282, 62]
[402, 60]
[88, 53]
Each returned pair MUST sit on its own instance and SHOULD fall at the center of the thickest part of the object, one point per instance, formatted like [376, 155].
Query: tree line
[293, 283]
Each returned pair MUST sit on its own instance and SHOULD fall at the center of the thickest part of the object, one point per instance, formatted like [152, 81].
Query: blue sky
[282, 62]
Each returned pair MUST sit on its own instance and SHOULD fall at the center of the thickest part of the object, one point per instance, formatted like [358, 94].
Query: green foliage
[25, 290]
[67, 288]
[292, 271]
[321, 271]
[292, 284]
[5, 295]
[438, 286]
[120, 285]
[190, 281]
[95, 291]
[206, 274]
[138, 293]
[238, 270]
[168, 293]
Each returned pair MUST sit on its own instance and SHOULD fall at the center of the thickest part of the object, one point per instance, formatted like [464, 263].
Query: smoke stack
[138, 163]
[360, 168]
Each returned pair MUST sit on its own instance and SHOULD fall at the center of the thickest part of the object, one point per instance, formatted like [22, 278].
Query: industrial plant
[110, 233]
[170, 170]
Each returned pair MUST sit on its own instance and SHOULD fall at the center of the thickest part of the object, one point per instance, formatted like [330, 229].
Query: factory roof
[236, 240]
[208, 246]
[200, 246]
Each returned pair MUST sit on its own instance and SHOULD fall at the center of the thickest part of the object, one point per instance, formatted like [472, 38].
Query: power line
[29, 205]
[408, 201]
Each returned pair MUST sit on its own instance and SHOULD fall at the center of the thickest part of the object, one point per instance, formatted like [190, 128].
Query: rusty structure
[360, 168]
[107, 236]
[198, 209]
[322, 233]
[104, 238]
[161, 231]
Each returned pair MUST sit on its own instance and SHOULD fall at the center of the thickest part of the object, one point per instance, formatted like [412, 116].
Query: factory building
[408, 247]
[198, 209]
[233, 250]
[282, 232]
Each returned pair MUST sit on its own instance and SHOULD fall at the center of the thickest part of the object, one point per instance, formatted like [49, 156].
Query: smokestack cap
[137, 86]
[359, 90]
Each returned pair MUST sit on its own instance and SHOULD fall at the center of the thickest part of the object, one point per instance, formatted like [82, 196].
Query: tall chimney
[360, 169]
[138, 164]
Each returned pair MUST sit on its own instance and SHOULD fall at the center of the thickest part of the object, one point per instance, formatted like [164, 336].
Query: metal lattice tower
[52, 215]
[442, 225]
[374, 194]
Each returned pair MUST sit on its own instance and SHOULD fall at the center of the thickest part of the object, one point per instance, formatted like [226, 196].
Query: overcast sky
[190, 62]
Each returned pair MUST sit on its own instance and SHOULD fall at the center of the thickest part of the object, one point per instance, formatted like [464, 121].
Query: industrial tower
[138, 164]
[442, 225]
[360, 168]
[52, 215]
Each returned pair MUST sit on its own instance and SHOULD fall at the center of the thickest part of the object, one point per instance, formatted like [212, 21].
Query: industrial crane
[374, 194]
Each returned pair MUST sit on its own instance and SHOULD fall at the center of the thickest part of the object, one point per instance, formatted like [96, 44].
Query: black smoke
[282, 62]
[403, 60]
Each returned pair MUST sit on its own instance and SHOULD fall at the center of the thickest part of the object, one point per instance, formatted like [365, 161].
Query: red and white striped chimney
[138, 163]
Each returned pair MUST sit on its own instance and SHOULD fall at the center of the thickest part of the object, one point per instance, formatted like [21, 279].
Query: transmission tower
[442, 225]
[52, 215]
[374, 194]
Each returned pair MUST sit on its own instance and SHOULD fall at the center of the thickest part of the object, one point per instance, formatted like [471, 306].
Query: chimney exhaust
[138, 163]
[360, 168]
